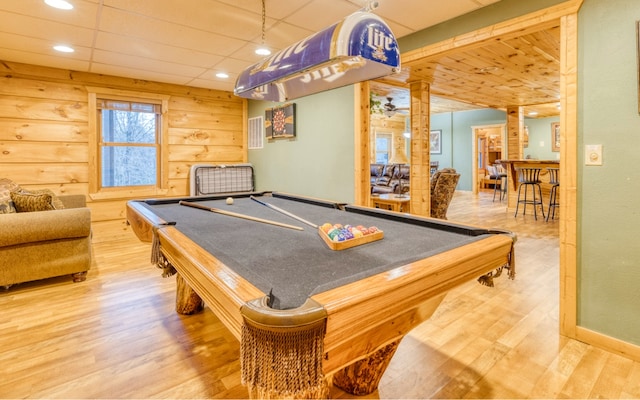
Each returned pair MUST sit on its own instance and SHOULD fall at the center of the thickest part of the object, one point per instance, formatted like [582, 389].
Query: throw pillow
[9, 185]
[55, 201]
[28, 202]
[6, 203]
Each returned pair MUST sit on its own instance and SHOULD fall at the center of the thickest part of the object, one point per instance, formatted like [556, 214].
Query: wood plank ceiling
[519, 71]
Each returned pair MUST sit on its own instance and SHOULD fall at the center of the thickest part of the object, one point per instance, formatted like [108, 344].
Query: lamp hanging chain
[264, 17]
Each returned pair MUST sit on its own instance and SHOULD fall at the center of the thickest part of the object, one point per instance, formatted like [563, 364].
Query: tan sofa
[44, 244]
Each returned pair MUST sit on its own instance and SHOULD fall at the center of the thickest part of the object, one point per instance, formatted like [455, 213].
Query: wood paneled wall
[44, 133]
[394, 125]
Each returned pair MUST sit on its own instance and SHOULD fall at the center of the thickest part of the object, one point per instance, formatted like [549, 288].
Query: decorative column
[420, 126]
[514, 147]
[515, 133]
[362, 138]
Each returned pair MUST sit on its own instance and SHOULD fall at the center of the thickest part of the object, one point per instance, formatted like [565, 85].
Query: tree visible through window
[129, 143]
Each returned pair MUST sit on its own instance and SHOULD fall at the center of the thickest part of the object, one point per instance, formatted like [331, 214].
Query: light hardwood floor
[117, 335]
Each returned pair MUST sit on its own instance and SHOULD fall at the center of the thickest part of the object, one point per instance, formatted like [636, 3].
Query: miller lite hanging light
[358, 48]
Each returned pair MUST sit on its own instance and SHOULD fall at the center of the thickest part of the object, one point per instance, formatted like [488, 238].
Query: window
[129, 143]
[383, 148]
[127, 132]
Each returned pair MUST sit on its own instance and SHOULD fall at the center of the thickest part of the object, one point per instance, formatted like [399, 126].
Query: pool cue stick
[284, 212]
[237, 215]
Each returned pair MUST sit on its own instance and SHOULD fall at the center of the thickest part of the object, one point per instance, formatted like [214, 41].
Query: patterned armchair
[443, 185]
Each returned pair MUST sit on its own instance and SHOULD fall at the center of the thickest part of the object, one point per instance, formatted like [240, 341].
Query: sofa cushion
[388, 170]
[19, 229]
[29, 202]
[6, 203]
[9, 185]
[55, 201]
[376, 170]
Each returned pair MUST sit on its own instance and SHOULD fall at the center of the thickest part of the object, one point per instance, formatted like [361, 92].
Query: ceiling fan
[390, 109]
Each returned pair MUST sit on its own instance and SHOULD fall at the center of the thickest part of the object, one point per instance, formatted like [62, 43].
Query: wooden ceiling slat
[512, 71]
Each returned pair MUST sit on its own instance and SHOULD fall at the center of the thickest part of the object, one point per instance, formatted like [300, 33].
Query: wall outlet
[593, 154]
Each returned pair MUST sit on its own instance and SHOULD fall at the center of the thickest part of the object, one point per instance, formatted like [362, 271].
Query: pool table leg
[363, 376]
[187, 300]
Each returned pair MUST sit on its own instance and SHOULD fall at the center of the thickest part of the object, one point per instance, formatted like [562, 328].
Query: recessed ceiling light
[63, 49]
[533, 113]
[222, 75]
[263, 51]
[61, 4]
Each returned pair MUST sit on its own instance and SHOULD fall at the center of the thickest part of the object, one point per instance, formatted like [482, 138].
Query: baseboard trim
[608, 343]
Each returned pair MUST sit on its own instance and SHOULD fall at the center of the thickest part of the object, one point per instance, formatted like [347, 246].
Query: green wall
[609, 210]
[486, 16]
[319, 161]
[457, 139]
[540, 139]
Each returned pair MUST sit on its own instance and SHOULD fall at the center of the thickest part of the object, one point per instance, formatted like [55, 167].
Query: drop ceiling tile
[146, 49]
[146, 64]
[26, 57]
[399, 30]
[277, 9]
[204, 15]
[37, 46]
[248, 55]
[283, 35]
[227, 85]
[317, 16]
[149, 38]
[486, 2]
[230, 64]
[54, 32]
[83, 15]
[153, 30]
[427, 13]
[135, 73]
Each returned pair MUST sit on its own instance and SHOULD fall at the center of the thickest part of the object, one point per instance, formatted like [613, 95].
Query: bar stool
[503, 186]
[553, 194]
[529, 178]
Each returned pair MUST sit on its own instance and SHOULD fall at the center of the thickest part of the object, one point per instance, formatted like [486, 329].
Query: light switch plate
[593, 154]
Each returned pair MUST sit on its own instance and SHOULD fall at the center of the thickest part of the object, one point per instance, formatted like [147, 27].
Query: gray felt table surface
[293, 264]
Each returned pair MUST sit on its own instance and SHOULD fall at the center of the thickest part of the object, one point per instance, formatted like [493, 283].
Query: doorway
[487, 148]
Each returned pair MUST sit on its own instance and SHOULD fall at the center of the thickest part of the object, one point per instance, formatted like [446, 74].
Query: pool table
[308, 315]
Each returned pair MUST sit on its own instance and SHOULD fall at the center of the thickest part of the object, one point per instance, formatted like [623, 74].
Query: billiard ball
[326, 227]
[229, 200]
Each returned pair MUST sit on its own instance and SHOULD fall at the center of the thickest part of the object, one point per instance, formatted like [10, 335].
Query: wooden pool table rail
[364, 319]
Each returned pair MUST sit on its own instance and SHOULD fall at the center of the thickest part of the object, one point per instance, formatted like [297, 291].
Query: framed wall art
[435, 140]
[555, 136]
[280, 122]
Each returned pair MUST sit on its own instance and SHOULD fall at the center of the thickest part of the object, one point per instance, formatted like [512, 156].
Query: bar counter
[512, 178]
